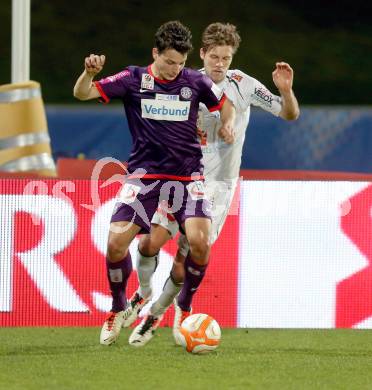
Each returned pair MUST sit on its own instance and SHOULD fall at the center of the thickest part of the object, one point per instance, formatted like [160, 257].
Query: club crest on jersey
[186, 92]
[236, 77]
[147, 81]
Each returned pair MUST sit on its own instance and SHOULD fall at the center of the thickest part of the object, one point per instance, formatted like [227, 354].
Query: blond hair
[220, 34]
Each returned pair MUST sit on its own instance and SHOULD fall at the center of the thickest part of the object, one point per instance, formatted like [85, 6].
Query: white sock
[146, 267]
[170, 291]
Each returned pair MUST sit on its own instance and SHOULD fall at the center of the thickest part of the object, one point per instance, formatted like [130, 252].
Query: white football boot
[135, 305]
[179, 316]
[144, 332]
[111, 328]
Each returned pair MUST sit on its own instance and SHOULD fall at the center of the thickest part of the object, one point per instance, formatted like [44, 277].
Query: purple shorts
[138, 201]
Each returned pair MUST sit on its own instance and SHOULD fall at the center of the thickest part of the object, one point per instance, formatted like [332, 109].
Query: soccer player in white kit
[221, 170]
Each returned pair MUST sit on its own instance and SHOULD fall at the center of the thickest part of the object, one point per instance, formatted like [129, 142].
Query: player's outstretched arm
[283, 79]
[227, 113]
[84, 89]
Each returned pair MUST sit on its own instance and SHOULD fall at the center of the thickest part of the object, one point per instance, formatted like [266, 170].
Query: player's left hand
[226, 132]
[283, 77]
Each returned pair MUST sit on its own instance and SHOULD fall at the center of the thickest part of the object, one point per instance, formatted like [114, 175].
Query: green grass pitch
[71, 358]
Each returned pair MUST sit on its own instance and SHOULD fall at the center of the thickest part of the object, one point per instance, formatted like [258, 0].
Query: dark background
[329, 44]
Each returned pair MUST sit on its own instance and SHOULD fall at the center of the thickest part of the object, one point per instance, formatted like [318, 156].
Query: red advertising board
[53, 269]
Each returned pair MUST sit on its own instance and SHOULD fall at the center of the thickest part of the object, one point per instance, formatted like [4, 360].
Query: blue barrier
[325, 139]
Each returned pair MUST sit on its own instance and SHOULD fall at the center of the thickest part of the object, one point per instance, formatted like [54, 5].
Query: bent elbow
[79, 96]
[75, 94]
[292, 116]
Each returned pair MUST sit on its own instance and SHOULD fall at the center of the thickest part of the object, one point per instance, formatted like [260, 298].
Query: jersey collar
[149, 70]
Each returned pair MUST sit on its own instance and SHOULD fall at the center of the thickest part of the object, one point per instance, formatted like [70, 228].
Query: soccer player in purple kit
[220, 42]
[161, 102]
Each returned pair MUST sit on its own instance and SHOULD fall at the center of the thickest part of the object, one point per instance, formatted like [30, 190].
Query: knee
[200, 250]
[149, 245]
[146, 247]
[116, 251]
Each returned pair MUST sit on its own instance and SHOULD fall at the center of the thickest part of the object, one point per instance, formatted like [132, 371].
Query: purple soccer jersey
[162, 118]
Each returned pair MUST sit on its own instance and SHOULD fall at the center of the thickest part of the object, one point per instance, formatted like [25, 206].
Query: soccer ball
[200, 333]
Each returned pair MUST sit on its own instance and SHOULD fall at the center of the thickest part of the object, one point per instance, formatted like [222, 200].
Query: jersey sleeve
[258, 95]
[115, 86]
[246, 91]
[210, 94]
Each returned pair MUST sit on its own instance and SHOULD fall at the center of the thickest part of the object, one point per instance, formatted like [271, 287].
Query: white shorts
[163, 218]
[220, 194]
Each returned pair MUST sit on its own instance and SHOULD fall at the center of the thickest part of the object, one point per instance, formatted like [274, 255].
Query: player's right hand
[227, 133]
[94, 64]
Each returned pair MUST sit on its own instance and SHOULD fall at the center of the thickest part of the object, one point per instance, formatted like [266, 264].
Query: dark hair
[173, 35]
[220, 34]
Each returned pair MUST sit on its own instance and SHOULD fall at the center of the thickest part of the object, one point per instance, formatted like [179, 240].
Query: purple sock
[194, 274]
[118, 275]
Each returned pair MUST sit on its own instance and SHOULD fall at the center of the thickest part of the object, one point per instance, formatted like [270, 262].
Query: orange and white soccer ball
[200, 333]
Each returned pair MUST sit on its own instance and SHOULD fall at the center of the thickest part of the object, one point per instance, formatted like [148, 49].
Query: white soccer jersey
[222, 161]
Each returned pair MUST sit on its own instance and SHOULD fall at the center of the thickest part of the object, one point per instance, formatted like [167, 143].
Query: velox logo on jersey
[264, 95]
[165, 110]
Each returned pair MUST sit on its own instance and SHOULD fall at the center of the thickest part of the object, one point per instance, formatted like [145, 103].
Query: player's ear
[155, 53]
[202, 53]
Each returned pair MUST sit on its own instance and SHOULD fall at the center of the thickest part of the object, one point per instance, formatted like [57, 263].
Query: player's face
[168, 64]
[217, 60]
